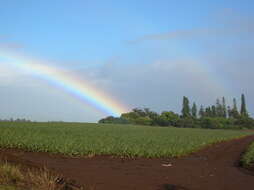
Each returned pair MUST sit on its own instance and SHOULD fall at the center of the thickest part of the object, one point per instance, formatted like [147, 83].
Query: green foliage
[218, 116]
[161, 121]
[224, 108]
[194, 110]
[144, 117]
[244, 112]
[109, 139]
[187, 122]
[218, 123]
[219, 108]
[139, 116]
[248, 158]
[114, 120]
[214, 114]
[171, 118]
[208, 112]
[234, 112]
[143, 121]
[152, 115]
[245, 122]
[186, 107]
[131, 116]
[210, 123]
[201, 112]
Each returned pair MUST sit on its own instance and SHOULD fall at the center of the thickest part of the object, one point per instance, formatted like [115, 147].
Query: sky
[141, 53]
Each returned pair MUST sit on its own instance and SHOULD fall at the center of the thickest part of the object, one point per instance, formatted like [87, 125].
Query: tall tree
[201, 111]
[229, 110]
[194, 110]
[214, 111]
[234, 111]
[224, 107]
[243, 107]
[186, 107]
[208, 112]
[219, 109]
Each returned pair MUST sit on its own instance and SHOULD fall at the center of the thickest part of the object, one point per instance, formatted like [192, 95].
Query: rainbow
[78, 88]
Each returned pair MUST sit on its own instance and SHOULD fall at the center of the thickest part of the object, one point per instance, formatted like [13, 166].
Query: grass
[8, 187]
[248, 158]
[17, 177]
[121, 140]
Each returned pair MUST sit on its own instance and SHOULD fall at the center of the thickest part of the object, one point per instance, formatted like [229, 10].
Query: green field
[248, 158]
[121, 140]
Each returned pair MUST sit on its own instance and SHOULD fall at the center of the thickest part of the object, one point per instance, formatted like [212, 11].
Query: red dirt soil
[213, 168]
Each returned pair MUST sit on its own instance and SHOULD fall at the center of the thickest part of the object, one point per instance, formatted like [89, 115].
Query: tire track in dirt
[213, 168]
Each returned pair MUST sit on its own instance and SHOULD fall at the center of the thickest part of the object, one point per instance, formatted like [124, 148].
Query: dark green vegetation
[106, 139]
[15, 120]
[218, 116]
[248, 158]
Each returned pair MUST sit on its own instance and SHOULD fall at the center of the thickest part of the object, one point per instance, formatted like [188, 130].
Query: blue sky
[92, 37]
[98, 30]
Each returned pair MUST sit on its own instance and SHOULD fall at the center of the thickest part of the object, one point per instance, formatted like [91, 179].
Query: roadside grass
[17, 177]
[248, 157]
[86, 139]
[8, 187]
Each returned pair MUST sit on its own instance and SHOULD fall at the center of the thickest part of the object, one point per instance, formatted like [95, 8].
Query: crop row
[120, 140]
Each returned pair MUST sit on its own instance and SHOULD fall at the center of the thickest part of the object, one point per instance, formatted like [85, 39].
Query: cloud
[217, 62]
[226, 25]
[42, 103]
[24, 96]
[159, 85]
[12, 77]
[244, 28]
[7, 75]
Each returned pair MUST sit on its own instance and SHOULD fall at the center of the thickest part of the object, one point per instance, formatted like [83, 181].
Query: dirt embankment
[213, 168]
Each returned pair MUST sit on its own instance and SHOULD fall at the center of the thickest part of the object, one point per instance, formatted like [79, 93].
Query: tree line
[22, 120]
[217, 116]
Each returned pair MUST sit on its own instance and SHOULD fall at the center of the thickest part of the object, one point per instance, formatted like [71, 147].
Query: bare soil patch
[213, 168]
